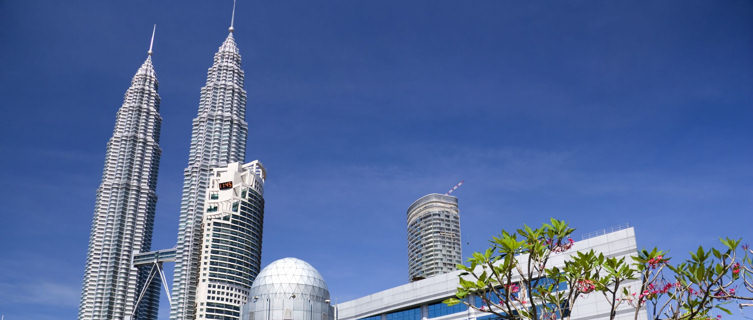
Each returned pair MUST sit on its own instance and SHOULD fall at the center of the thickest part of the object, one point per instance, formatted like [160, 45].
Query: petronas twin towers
[218, 138]
[124, 210]
[126, 199]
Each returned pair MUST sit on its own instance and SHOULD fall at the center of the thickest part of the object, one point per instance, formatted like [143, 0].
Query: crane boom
[455, 187]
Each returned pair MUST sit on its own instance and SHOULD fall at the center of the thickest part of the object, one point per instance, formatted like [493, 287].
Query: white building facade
[422, 300]
[124, 211]
[434, 245]
[232, 234]
[218, 137]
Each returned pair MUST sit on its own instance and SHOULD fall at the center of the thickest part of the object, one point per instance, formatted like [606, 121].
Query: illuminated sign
[226, 185]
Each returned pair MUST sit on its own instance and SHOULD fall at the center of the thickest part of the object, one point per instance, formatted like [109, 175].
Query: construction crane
[455, 187]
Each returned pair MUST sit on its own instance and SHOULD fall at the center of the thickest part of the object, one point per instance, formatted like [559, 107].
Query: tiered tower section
[124, 211]
[433, 236]
[218, 138]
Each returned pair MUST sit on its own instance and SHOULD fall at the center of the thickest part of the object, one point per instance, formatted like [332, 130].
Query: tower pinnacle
[232, 18]
[151, 42]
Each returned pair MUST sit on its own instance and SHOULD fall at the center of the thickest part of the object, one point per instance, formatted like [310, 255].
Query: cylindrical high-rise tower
[231, 246]
[433, 236]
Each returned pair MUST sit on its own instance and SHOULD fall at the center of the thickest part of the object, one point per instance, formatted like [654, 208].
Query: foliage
[513, 278]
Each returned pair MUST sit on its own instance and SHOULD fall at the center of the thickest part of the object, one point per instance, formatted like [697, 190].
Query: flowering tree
[513, 278]
[692, 289]
[747, 270]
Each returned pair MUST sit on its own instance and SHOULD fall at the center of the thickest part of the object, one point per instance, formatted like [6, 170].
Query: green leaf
[724, 309]
[699, 274]
[725, 243]
[451, 302]
[478, 257]
[716, 253]
[488, 253]
[467, 284]
[700, 254]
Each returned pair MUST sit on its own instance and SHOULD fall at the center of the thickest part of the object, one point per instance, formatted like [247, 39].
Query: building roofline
[432, 197]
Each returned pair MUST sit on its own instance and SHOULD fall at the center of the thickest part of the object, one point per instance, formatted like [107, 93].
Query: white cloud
[42, 293]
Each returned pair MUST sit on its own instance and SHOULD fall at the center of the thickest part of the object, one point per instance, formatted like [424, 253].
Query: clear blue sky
[597, 112]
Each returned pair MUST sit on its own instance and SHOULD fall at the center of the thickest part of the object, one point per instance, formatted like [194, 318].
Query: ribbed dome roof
[290, 276]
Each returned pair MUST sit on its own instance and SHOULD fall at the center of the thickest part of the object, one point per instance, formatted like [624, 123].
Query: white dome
[289, 276]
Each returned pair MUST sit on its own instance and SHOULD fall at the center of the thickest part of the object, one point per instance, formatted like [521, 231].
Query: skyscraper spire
[124, 210]
[232, 18]
[218, 137]
[151, 42]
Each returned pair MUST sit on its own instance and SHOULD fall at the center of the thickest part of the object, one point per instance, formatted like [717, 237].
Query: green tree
[514, 280]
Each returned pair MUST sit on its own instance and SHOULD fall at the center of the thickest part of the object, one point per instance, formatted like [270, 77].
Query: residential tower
[231, 246]
[433, 236]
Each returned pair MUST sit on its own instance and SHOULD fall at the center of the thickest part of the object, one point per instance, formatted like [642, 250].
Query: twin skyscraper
[218, 248]
[218, 251]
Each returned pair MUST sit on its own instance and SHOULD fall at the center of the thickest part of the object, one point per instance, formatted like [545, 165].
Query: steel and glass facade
[231, 246]
[433, 236]
[124, 210]
[218, 137]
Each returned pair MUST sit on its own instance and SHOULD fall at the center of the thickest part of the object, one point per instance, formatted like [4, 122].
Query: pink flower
[560, 246]
[653, 263]
[586, 286]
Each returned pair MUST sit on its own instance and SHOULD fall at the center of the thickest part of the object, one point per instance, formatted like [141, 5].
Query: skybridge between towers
[155, 259]
[148, 258]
